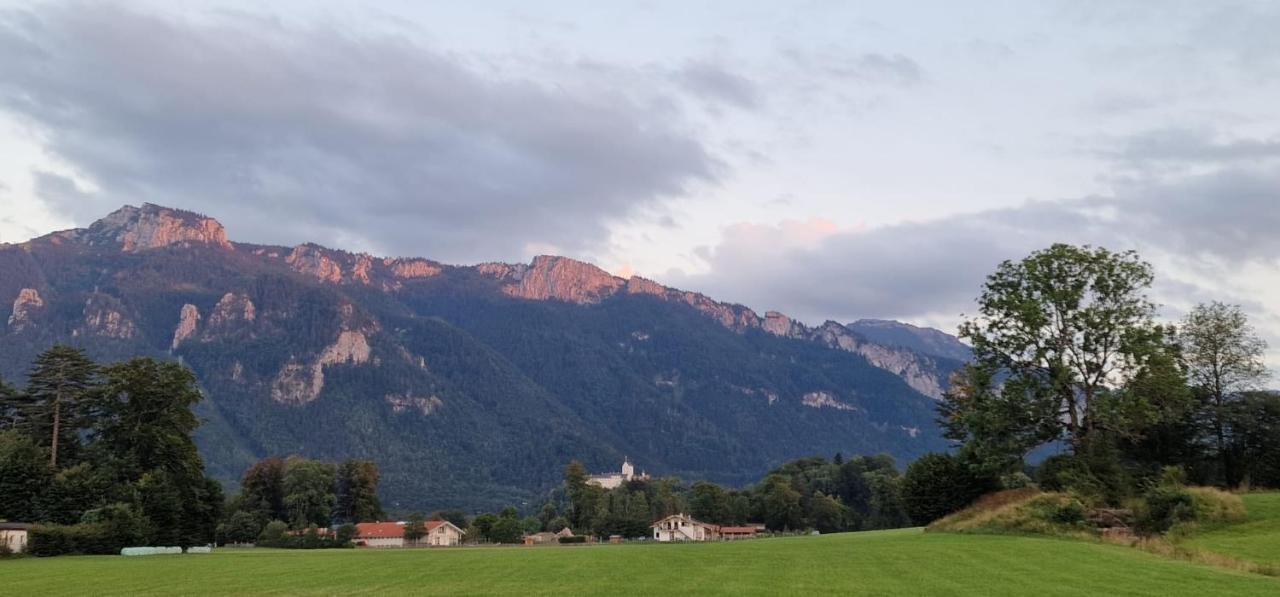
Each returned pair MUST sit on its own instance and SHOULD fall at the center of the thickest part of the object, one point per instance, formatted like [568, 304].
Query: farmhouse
[681, 527]
[13, 535]
[439, 533]
[612, 480]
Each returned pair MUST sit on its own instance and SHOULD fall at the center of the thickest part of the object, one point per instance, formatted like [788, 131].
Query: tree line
[279, 495]
[102, 455]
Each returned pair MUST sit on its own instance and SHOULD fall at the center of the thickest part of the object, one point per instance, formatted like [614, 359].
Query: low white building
[14, 536]
[681, 527]
[612, 480]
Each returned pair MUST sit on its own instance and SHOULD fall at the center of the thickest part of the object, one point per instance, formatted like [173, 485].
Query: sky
[830, 160]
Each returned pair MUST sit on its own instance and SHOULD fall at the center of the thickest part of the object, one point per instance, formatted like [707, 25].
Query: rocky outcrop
[311, 260]
[411, 269]
[825, 400]
[780, 325]
[350, 347]
[188, 320]
[25, 307]
[300, 383]
[104, 316]
[563, 279]
[424, 405]
[233, 309]
[920, 372]
[297, 383]
[152, 227]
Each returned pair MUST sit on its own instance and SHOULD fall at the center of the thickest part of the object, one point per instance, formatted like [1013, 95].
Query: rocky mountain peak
[565, 279]
[152, 226]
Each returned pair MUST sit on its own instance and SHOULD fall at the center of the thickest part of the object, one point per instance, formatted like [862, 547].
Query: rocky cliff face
[188, 320]
[151, 227]
[104, 316]
[25, 307]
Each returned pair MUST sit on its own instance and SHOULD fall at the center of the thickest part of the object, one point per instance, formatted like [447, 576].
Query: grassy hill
[901, 562]
[1257, 540]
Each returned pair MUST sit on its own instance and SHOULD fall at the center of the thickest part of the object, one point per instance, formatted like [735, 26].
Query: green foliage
[58, 398]
[357, 492]
[24, 474]
[1163, 507]
[414, 528]
[308, 492]
[1058, 325]
[241, 527]
[122, 523]
[573, 539]
[55, 540]
[274, 534]
[938, 484]
[262, 490]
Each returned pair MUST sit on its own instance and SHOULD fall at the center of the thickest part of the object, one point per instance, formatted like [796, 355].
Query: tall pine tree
[59, 392]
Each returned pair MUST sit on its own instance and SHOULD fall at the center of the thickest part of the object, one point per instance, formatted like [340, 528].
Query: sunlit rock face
[151, 227]
[25, 306]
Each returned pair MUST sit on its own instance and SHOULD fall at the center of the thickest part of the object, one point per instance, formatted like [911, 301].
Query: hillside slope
[471, 386]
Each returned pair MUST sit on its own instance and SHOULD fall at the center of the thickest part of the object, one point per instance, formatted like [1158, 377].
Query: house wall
[16, 539]
[443, 536]
[384, 542]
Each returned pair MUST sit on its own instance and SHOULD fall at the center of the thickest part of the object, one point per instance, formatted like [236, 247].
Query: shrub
[1016, 480]
[1164, 506]
[574, 539]
[123, 524]
[275, 534]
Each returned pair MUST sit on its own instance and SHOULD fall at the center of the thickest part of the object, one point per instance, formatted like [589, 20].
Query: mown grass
[1256, 540]
[902, 562]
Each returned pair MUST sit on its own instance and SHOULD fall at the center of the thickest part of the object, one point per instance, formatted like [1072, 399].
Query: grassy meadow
[1256, 540]
[900, 562]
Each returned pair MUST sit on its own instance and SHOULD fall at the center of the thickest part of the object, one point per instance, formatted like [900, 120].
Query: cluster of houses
[442, 533]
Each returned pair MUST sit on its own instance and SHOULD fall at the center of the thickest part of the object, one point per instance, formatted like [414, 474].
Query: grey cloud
[715, 82]
[914, 270]
[312, 134]
[1183, 145]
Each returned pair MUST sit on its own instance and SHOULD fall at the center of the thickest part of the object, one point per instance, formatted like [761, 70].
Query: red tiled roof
[434, 524]
[379, 530]
[738, 530]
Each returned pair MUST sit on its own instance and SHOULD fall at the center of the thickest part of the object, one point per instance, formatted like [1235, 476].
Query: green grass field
[902, 562]
[1257, 540]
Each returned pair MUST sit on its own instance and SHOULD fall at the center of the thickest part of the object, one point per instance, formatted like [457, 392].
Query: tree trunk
[57, 430]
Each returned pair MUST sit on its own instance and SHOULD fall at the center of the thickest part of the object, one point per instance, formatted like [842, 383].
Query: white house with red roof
[681, 527]
[439, 533]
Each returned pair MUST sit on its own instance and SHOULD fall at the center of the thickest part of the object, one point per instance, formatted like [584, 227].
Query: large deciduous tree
[1224, 359]
[1055, 333]
[357, 492]
[308, 492]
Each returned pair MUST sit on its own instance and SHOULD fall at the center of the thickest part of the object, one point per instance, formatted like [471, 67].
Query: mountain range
[470, 386]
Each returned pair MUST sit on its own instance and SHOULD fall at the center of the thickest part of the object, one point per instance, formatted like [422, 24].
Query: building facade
[438, 533]
[612, 480]
[682, 527]
[14, 536]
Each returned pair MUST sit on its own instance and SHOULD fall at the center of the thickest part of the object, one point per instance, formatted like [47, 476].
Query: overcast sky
[832, 160]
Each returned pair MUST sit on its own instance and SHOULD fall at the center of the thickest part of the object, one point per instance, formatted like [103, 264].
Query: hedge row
[84, 538]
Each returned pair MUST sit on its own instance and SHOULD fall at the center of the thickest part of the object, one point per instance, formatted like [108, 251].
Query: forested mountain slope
[471, 386]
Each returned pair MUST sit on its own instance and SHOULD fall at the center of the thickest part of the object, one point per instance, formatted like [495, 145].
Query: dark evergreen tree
[58, 395]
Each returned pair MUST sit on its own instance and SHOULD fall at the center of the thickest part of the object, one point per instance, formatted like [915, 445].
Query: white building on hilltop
[611, 480]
